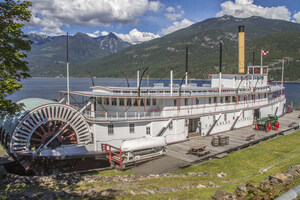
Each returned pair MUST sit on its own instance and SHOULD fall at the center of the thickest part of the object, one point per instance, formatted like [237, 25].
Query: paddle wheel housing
[43, 124]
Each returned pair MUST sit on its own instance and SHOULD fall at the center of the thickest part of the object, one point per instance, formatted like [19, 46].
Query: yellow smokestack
[241, 49]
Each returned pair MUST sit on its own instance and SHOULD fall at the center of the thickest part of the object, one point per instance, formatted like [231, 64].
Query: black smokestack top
[241, 28]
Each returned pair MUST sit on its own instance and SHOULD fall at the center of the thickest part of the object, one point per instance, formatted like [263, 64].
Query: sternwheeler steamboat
[127, 124]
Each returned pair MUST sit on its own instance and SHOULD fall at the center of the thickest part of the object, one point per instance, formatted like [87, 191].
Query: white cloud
[176, 26]
[59, 13]
[155, 6]
[95, 34]
[173, 14]
[135, 36]
[297, 17]
[246, 8]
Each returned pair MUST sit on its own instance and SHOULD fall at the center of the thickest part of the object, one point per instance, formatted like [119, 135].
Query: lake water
[48, 87]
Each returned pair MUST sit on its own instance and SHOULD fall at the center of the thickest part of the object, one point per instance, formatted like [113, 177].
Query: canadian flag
[265, 53]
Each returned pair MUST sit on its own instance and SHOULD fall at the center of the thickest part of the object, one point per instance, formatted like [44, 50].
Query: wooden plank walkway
[237, 140]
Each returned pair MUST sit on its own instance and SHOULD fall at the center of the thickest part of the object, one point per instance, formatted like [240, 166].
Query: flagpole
[282, 74]
[68, 81]
[261, 57]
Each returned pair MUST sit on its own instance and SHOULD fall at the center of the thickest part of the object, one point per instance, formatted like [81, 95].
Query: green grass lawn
[275, 155]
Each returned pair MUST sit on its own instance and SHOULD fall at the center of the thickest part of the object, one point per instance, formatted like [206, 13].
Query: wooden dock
[238, 139]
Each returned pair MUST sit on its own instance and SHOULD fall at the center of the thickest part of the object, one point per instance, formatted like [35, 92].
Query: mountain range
[48, 54]
[280, 38]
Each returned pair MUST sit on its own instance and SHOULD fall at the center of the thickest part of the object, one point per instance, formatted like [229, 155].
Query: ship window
[221, 99]
[148, 130]
[114, 101]
[215, 99]
[227, 100]
[121, 101]
[126, 91]
[110, 129]
[99, 100]
[250, 70]
[209, 100]
[106, 101]
[175, 102]
[186, 102]
[135, 102]
[265, 95]
[129, 102]
[154, 102]
[265, 70]
[148, 101]
[142, 102]
[225, 117]
[233, 98]
[171, 125]
[197, 101]
[186, 123]
[256, 70]
[131, 128]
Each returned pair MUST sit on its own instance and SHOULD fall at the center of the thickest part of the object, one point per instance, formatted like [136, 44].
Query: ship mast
[68, 81]
[186, 64]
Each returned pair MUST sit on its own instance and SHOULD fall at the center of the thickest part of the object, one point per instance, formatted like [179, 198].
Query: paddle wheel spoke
[43, 134]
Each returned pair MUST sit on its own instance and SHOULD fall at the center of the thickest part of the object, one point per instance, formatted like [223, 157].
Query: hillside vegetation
[279, 37]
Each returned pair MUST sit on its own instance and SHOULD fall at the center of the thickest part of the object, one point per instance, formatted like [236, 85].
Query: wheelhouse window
[131, 128]
[110, 129]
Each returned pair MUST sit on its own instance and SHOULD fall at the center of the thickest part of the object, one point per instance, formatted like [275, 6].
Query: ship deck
[178, 156]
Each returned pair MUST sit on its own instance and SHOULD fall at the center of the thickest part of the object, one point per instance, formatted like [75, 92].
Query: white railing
[184, 110]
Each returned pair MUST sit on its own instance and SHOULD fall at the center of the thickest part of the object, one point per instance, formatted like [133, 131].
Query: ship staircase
[236, 119]
[125, 159]
[214, 123]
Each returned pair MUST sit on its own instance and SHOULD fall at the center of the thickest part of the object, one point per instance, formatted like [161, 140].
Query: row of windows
[153, 102]
[164, 91]
[127, 101]
[110, 129]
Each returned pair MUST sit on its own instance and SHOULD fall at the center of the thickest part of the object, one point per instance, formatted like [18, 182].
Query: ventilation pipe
[186, 64]
[138, 78]
[220, 69]
[241, 49]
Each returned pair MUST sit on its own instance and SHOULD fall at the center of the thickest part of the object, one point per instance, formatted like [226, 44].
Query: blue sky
[141, 20]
